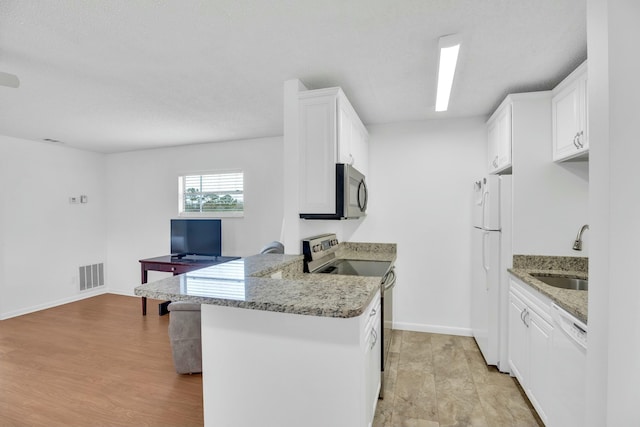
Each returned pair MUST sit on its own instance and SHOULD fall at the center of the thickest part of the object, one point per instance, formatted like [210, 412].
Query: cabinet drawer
[541, 304]
[175, 269]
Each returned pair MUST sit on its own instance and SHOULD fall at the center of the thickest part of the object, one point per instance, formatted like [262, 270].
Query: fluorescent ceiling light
[449, 47]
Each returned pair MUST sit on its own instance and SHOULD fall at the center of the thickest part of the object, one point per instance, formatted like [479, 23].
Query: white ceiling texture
[121, 75]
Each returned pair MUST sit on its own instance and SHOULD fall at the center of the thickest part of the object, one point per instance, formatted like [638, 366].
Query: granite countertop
[573, 301]
[248, 283]
[367, 251]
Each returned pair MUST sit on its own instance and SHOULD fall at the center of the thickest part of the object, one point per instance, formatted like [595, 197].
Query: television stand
[175, 265]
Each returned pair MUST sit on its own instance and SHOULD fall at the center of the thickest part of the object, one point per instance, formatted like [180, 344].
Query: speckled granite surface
[540, 262]
[246, 283]
[367, 251]
[573, 301]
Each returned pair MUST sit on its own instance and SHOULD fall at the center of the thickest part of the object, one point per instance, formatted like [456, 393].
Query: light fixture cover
[449, 49]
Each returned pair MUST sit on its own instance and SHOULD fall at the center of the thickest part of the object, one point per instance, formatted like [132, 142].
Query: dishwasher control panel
[572, 326]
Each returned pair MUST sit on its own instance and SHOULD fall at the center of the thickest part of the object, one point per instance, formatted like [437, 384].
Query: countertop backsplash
[543, 262]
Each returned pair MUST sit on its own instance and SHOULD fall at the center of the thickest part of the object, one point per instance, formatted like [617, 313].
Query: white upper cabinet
[330, 132]
[499, 137]
[569, 116]
[353, 147]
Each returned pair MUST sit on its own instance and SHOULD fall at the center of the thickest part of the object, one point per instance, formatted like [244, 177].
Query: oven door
[386, 290]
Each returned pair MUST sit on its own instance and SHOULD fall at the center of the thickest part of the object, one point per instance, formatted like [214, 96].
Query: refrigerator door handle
[485, 265]
[484, 208]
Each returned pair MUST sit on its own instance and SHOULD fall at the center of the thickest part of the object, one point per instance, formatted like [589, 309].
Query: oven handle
[389, 279]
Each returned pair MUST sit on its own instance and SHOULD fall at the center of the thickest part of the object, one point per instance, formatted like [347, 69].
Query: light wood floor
[98, 362]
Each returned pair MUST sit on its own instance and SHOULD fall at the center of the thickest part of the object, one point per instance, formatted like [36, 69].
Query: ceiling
[120, 75]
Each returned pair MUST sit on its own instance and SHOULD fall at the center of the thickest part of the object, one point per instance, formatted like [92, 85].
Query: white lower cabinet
[530, 345]
[540, 374]
[263, 368]
[518, 339]
[373, 359]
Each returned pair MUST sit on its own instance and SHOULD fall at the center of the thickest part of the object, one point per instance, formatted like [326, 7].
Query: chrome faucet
[577, 245]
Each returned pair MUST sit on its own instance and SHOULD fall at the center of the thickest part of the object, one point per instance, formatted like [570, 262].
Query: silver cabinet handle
[580, 135]
[577, 140]
[524, 314]
[373, 312]
[375, 338]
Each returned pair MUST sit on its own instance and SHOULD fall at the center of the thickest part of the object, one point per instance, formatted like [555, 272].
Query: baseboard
[126, 293]
[62, 301]
[434, 329]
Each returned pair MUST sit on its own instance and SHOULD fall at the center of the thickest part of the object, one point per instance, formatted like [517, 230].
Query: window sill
[221, 214]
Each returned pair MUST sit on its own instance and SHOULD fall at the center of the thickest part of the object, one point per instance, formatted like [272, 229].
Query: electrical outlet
[73, 200]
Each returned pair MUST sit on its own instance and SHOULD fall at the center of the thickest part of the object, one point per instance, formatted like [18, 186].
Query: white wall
[599, 189]
[143, 197]
[550, 200]
[613, 365]
[44, 238]
[420, 181]
[614, 294]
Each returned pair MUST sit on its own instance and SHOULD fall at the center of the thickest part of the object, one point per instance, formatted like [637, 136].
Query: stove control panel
[317, 247]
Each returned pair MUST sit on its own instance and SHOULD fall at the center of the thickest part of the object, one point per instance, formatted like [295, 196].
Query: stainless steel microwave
[351, 195]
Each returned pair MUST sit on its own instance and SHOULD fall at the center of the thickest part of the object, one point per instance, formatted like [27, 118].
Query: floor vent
[91, 276]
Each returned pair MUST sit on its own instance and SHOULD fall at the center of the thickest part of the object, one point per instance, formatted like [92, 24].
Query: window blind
[217, 192]
[226, 281]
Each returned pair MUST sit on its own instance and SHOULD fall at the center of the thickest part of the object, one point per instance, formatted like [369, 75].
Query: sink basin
[564, 282]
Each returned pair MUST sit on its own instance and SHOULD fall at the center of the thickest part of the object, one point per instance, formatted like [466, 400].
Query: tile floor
[434, 380]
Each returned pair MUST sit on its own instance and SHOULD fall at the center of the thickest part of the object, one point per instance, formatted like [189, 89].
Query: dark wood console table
[175, 265]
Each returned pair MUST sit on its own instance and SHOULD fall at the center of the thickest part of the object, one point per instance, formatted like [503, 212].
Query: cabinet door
[373, 369]
[569, 114]
[584, 113]
[504, 138]
[540, 378]
[492, 148]
[518, 339]
[318, 140]
[499, 138]
[345, 134]
[352, 137]
[360, 149]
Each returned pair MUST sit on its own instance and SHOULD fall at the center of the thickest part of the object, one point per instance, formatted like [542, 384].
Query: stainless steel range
[320, 257]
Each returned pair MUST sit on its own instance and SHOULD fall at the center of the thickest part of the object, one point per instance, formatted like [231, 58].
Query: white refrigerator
[491, 256]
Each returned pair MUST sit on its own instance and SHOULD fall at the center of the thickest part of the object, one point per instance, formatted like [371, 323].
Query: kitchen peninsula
[281, 347]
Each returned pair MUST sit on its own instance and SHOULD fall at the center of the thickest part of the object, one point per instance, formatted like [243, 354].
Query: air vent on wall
[91, 276]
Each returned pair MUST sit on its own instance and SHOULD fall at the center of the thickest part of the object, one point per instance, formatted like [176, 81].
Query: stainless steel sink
[564, 282]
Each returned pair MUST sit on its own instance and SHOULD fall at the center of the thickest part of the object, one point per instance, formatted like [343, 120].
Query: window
[211, 195]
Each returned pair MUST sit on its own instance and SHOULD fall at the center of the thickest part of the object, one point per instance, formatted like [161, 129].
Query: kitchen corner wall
[550, 200]
[421, 180]
[43, 238]
[142, 191]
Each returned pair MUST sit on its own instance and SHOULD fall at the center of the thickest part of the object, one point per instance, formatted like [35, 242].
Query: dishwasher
[569, 368]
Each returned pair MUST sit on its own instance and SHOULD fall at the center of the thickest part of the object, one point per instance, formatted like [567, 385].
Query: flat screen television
[196, 237]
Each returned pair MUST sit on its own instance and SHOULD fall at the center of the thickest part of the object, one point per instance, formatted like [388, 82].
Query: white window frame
[212, 214]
